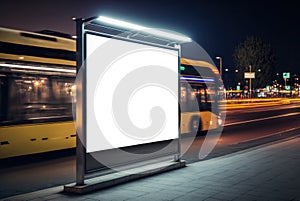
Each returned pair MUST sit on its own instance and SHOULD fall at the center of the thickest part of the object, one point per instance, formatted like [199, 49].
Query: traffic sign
[249, 75]
[286, 75]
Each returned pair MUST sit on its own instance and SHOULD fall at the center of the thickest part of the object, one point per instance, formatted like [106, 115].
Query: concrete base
[113, 179]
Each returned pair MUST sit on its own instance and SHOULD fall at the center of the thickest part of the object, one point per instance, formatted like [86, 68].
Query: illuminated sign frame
[152, 55]
[87, 160]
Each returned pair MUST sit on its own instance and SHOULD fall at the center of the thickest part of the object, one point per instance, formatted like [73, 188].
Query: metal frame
[178, 157]
[80, 58]
[80, 136]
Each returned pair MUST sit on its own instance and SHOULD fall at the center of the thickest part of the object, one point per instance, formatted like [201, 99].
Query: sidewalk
[269, 172]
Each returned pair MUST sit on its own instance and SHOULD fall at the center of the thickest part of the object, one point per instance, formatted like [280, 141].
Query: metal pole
[80, 90]
[284, 83]
[221, 67]
[220, 58]
[177, 157]
[250, 91]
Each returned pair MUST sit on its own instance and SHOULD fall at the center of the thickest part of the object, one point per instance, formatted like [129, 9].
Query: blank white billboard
[131, 93]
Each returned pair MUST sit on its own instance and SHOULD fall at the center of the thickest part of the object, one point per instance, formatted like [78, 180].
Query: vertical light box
[131, 93]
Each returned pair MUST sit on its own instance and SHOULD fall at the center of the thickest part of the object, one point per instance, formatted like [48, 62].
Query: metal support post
[250, 80]
[178, 156]
[80, 112]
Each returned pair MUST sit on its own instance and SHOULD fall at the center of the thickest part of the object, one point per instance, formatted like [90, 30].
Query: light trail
[262, 109]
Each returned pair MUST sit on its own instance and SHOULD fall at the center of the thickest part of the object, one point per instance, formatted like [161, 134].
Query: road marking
[262, 119]
[276, 133]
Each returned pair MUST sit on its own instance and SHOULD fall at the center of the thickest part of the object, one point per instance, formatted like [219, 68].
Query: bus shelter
[127, 105]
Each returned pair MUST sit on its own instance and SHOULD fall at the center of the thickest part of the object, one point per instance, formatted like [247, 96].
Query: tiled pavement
[269, 172]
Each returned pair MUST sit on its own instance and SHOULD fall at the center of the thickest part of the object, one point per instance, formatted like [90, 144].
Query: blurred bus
[37, 74]
[200, 96]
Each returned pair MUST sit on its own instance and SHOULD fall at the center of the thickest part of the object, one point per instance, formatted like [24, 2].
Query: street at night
[244, 128]
[145, 100]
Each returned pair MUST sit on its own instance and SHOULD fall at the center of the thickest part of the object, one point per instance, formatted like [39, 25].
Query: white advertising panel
[131, 93]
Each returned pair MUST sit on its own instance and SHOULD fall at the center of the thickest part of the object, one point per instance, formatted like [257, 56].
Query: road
[243, 128]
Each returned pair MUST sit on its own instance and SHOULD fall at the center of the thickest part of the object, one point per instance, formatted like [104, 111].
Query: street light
[220, 58]
[157, 32]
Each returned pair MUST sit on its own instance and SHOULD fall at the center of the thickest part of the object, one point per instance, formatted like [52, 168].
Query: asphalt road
[246, 128]
[243, 128]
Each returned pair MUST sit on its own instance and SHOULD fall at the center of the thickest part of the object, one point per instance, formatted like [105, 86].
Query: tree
[255, 52]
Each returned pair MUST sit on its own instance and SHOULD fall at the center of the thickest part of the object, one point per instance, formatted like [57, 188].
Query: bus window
[192, 94]
[183, 94]
[63, 90]
[3, 97]
[39, 98]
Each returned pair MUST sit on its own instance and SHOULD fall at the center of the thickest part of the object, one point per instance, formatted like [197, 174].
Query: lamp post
[226, 80]
[250, 90]
[236, 78]
[220, 58]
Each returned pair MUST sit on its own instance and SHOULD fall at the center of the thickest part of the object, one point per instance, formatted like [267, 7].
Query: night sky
[218, 26]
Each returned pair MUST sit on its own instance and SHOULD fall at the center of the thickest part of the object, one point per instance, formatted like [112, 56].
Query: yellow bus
[200, 96]
[37, 74]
